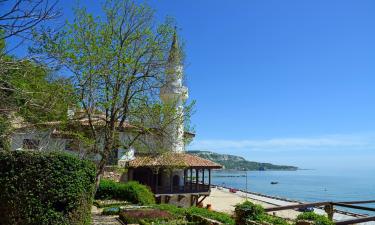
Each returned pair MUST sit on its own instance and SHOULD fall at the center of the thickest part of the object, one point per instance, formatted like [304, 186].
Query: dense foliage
[144, 215]
[45, 188]
[317, 219]
[218, 216]
[31, 92]
[238, 163]
[131, 191]
[249, 211]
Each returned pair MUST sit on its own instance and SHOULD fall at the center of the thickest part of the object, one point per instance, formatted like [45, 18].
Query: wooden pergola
[196, 173]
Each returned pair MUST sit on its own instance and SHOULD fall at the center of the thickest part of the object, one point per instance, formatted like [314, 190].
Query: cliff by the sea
[233, 162]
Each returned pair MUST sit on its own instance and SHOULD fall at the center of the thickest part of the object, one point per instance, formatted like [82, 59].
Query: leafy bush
[45, 188]
[221, 217]
[182, 212]
[318, 219]
[131, 191]
[248, 211]
[174, 210]
[273, 220]
[144, 216]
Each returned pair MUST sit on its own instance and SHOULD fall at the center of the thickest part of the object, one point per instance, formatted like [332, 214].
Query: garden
[58, 188]
[133, 203]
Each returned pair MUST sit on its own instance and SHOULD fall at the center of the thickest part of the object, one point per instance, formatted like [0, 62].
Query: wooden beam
[354, 221]
[167, 198]
[358, 202]
[180, 197]
[296, 206]
[200, 201]
[192, 198]
[354, 206]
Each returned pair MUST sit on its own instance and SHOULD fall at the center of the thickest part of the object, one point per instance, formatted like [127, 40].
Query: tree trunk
[108, 146]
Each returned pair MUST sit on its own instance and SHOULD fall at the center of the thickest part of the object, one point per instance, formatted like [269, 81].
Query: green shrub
[218, 216]
[248, 211]
[273, 220]
[174, 210]
[318, 219]
[45, 188]
[182, 212]
[131, 191]
[144, 216]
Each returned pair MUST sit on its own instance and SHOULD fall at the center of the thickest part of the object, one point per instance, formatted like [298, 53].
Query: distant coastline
[238, 163]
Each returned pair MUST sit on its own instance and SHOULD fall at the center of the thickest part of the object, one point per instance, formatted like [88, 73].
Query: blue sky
[288, 82]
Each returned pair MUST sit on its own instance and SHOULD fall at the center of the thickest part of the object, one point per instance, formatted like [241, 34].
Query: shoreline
[223, 200]
[289, 200]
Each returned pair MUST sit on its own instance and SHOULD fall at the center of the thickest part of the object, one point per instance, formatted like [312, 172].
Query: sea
[305, 185]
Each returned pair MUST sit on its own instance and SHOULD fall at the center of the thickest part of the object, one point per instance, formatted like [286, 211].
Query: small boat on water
[274, 182]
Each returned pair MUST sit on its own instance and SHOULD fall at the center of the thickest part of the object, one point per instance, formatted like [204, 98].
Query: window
[30, 144]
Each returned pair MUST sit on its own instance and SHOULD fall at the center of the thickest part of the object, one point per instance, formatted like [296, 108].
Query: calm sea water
[304, 185]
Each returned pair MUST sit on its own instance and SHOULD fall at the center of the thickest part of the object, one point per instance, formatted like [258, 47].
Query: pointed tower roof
[174, 52]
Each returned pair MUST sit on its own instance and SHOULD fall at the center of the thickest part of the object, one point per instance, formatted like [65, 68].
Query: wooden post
[185, 174]
[196, 179]
[209, 178]
[191, 179]
[171, 180]
[156, 182]
[329, 210]
[203, 176]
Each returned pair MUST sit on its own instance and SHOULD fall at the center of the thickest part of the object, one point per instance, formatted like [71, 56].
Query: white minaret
[173, 92]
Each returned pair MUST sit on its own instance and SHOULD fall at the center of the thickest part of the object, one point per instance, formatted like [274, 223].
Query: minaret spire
[174, 92]
[175, 53]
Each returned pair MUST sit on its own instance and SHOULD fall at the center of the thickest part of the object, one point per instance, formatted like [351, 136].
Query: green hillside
[239, 163]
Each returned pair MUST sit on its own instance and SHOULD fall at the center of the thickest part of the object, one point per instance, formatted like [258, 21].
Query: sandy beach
[224, 201]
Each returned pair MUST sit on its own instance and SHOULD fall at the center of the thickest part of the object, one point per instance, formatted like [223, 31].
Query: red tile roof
[172, 160]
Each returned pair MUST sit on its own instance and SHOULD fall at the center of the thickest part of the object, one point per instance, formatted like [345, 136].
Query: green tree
[117, 62]
[31, 95]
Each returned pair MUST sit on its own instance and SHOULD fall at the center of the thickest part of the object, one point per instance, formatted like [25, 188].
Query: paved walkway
[98, 219]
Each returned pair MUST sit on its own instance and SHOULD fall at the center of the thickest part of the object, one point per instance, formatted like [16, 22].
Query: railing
[329, 209]
[187, 188]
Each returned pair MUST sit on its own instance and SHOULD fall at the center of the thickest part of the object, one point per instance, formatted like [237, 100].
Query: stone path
[98, 219]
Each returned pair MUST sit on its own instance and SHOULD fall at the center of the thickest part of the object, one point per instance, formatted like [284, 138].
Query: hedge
[317, 219]
[130, 191]
[45, 188]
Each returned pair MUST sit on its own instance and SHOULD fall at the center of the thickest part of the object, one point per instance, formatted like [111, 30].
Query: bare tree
[18, 17]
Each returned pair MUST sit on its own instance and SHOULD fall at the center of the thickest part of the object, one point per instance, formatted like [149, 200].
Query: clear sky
[288, 82]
